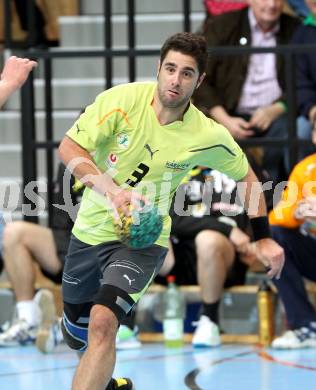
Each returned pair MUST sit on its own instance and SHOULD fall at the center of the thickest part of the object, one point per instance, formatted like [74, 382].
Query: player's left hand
[270, 254]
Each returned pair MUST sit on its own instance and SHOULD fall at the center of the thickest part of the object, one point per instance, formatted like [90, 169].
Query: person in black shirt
[210, 244]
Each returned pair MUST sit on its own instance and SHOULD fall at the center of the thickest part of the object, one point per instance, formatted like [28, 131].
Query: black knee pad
[116, 299]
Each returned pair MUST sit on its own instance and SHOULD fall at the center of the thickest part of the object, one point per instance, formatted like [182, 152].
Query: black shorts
[61, 240]
[109, 274]
[185, 268]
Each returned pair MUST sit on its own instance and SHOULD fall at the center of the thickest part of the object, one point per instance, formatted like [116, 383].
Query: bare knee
[103, 325]
[12, 235]
[209, 242]
[213, 245]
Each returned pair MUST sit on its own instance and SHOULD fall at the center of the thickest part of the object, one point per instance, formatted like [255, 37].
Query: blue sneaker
[304, 337]
[18, 334]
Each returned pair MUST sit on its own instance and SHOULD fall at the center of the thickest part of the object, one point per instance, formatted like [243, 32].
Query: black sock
[211, 311]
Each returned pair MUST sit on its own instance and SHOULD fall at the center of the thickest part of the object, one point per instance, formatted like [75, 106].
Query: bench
[226, 338]
[43, 282]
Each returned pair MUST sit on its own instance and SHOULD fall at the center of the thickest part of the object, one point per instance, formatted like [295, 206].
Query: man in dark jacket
[306, 78]
[245, 92]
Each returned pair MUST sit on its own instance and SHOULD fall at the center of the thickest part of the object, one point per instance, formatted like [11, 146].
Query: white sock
[29, 311]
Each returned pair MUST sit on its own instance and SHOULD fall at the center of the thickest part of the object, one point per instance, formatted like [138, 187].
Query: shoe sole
[47, 306]
[128, 345]
[301, 346]
[205, 345]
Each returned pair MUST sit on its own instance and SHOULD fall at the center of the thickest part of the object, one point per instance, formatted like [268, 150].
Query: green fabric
[310, 20]
[283, 105]
[122, 133]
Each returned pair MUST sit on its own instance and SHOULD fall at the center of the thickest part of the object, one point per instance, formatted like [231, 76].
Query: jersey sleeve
[98, 121]
[225, 155]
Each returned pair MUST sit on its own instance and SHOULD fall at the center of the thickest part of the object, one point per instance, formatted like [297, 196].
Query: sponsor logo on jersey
[112, 160]
[177, 166]
[122, 141]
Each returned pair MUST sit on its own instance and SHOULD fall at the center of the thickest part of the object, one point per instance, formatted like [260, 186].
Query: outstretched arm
[14, 75]
[267, 250]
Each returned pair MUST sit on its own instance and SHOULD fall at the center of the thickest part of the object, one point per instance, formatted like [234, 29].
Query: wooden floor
[153, 367]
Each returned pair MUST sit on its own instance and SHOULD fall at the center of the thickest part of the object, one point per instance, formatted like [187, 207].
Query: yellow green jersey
[122, 133]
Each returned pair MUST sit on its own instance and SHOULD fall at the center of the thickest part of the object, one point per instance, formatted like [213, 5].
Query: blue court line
[40, 370]
[126, 360]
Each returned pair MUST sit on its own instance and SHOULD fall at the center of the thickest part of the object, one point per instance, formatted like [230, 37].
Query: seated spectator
[299, 7]
[27, 243]
[293, 227]
[209, 246]
[219, 7]
[245, 93]
[44, 31]
[306, 78]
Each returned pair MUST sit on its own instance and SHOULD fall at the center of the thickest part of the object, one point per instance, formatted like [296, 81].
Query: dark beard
[169, 104]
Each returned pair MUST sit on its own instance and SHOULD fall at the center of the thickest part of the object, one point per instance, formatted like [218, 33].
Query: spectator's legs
[274, 156]
[2, 224]
[39, 27]
[168, 262]
[215, 256]
[300, 254]
[304, 131]
[24, 243]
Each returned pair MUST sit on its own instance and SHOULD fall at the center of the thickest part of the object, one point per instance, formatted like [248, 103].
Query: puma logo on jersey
[152, 152]
[130, 281]
[78, 129]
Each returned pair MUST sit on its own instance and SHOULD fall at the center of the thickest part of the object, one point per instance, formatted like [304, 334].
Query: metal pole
[292, 141]
[108, 42]
[31, 37]
[186, 15]
[131, 39]
[49, 135]
[28, 137]
[8, 42]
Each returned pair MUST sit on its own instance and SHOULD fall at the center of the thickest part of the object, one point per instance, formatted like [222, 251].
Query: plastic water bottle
[173, 315]
[266, 314]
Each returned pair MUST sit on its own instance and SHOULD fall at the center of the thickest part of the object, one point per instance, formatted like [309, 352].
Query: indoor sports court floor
[153, 367]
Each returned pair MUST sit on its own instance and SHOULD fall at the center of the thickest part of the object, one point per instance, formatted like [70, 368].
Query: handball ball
[141, 229]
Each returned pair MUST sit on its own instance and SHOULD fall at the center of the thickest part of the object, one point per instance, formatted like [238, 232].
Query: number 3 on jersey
[139, 173]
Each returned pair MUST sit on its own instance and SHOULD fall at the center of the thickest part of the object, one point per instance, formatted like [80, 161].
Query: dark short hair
[186, 43]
